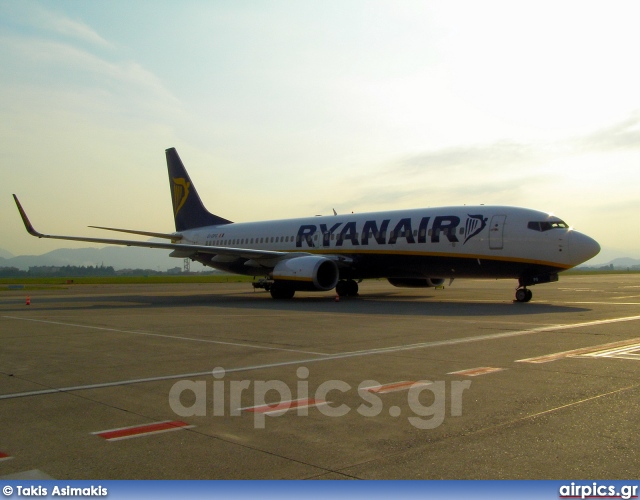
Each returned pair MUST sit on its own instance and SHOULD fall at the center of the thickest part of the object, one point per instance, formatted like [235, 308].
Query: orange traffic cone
[28, 301]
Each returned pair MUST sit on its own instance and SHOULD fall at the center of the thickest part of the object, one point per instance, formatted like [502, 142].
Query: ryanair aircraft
[417, 248]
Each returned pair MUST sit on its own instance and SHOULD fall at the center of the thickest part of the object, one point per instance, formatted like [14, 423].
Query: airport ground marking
[605, 303]
[633, 343]
[474, 372]
[283, 406]
[326, 357]
[142, 430]
[175, 337]
[405, 385]
[627, 352]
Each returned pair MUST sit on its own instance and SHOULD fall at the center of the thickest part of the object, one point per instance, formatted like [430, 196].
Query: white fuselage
[462, 241]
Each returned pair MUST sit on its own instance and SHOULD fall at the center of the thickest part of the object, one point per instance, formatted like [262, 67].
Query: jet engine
[416, 282]
[309, 273]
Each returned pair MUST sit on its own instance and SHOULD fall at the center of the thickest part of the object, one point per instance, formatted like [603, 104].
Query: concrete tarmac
[118, 382]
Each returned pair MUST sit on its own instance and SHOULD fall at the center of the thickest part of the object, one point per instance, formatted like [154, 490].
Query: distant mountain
[624, 262]
[115, 256]
[619, 263]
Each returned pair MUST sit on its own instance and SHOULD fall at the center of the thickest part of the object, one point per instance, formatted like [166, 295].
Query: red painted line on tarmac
[283, 406]
[5, 456]
[142, 430]
[395, 386]
[474, 372]
[585, 350]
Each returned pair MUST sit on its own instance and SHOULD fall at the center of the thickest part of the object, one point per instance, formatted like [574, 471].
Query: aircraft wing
[167, 236]
[184, 250]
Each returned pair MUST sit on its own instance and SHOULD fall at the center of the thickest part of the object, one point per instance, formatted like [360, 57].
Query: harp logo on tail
[475, 224]
[180, 193]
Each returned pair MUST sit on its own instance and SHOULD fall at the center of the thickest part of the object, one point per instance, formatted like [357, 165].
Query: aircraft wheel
[347, 288]
[282, 291]
[523, 295]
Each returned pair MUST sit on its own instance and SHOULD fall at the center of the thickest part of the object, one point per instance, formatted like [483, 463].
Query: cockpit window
[547, 225]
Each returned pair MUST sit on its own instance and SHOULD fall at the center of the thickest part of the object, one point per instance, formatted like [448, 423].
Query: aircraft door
[496, 232]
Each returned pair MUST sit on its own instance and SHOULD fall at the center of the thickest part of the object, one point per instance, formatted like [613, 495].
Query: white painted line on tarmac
[474, 372]
[581, 351]
[283, 406]
[142, 430]
[331, 357]
[610, 303]
[175, 337]
[405, 385]
[492, 336]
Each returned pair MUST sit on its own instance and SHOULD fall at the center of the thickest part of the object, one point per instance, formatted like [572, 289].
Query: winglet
[25, 219]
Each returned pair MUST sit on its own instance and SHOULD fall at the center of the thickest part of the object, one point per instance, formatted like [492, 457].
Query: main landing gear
[281, 291]
[523, 294]
[347, 288]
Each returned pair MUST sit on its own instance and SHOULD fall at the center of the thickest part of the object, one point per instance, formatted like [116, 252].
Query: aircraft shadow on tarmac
[390, 303]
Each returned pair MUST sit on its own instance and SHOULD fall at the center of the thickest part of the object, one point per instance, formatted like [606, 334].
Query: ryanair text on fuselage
[341, 232]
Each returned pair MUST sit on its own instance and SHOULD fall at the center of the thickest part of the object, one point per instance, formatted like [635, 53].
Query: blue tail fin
[188, 210]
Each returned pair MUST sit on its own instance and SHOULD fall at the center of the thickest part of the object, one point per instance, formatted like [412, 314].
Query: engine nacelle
[416, 282]
[307, 273]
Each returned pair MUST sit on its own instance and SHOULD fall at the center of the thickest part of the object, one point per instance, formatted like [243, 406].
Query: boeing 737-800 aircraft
[417, 248]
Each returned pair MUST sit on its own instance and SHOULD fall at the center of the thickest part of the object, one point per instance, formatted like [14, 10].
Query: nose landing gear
[523, 294]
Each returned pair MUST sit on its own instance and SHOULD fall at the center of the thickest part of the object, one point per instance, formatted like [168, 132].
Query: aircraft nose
[582, 247]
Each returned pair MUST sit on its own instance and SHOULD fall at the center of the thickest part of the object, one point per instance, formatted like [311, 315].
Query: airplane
[419, 248]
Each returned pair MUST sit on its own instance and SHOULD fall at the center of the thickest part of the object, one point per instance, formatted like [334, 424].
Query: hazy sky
[291, 108]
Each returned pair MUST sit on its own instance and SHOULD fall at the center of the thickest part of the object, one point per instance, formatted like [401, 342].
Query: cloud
[62, 64]
[494, 156]
[25, 17]
[75, 29]
[620, 136]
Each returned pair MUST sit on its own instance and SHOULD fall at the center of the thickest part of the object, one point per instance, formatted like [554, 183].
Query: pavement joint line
[557, 408]
[500, 425]
[175, 337]
[325, 357]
